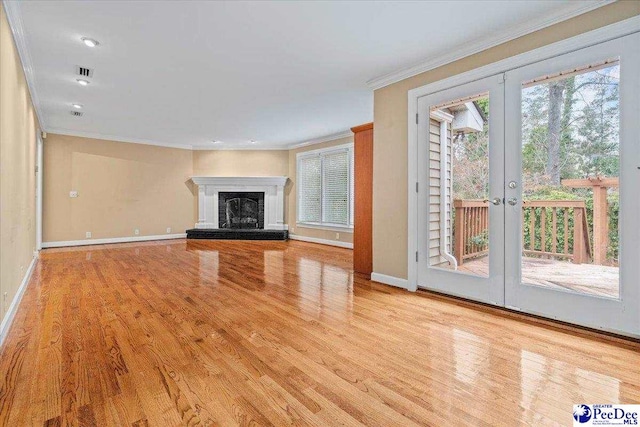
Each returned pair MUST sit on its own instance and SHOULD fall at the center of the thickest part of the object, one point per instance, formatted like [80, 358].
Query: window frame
[322, 153]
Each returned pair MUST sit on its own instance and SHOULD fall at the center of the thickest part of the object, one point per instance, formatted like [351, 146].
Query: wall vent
[76, 113]
[84, 71]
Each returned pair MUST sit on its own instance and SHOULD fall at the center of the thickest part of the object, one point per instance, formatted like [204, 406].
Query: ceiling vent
[84, 71]
[76, 113]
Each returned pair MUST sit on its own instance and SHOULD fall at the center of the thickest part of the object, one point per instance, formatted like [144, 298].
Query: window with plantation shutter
[325, 187]
[335, 188]
[310, 189]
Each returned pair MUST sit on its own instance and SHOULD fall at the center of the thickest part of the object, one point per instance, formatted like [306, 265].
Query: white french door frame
[603, 34]
[615, 315]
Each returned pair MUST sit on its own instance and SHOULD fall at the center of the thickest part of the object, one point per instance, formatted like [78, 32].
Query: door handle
[512, 201]
[496, 201]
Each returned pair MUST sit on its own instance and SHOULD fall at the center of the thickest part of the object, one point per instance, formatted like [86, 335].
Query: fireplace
[241, 210]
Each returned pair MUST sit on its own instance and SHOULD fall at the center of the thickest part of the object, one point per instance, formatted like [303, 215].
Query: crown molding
[114, 138]
[320, 140]
[14, 17]
[571, 10]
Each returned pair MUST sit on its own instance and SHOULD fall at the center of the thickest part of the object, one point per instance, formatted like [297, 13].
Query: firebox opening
[241, 210]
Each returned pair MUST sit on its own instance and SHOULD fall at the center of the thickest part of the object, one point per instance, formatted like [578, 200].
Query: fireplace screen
[241, 210]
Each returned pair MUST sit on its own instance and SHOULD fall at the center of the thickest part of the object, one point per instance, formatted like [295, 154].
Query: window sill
[328, 227]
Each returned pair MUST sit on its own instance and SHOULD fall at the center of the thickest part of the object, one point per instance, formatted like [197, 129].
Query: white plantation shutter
[325, 187]
[310, 189]
[335, 200]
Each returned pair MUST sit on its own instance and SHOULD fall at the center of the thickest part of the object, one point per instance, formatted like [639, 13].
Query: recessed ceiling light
[90, 42]
[82, 82]
[77, 106]
[253, 141]
[215, 141]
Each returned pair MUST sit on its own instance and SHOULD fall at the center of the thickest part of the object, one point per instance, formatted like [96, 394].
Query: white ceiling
[279, 73]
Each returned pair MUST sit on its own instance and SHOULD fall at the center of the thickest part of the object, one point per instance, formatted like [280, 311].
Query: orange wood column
[363, 215]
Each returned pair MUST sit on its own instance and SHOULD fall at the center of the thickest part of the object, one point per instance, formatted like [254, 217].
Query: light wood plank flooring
[281, 333]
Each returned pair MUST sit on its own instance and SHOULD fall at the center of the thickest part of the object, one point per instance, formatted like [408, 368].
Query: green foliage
[479, 240]
[551, 193]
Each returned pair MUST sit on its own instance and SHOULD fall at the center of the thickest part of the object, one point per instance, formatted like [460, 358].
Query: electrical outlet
[337, 235]
[136, 231]
[88, 234]
[168, 230]
[73, 194]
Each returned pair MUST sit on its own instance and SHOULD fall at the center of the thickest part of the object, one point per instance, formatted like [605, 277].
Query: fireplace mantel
[210, 186]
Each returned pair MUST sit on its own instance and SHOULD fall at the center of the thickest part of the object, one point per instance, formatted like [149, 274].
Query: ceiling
[279, 73]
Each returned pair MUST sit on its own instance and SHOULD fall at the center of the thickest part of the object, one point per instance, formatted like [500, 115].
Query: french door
[529, 188]
[461, 168]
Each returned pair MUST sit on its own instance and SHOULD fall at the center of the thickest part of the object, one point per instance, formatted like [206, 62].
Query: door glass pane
[570, 174]
[459, 185]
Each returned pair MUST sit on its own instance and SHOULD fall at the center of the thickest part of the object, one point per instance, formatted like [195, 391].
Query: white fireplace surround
[210, 186]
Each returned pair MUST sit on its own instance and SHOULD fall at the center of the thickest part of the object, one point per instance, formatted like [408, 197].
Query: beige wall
[241, 163]
[390, 136]
[124, 186]
[317, 233]
[18, 130]
[121, 187]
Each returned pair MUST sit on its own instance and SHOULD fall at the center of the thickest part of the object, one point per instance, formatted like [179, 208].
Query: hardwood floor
[280, 333]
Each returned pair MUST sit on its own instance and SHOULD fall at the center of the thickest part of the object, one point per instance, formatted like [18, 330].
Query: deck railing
[470, 227]
[550, 229]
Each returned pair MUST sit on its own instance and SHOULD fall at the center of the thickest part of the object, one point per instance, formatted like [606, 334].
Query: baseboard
[86, 242]
[13, 308]
[321, 241]
[390, 280]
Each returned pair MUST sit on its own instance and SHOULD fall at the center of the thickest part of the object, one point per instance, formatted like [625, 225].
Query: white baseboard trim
[390, 280]
[321, 241]
[13, 308]
[86, 242]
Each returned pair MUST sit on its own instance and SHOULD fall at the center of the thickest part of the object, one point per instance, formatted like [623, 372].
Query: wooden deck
[590, 279]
